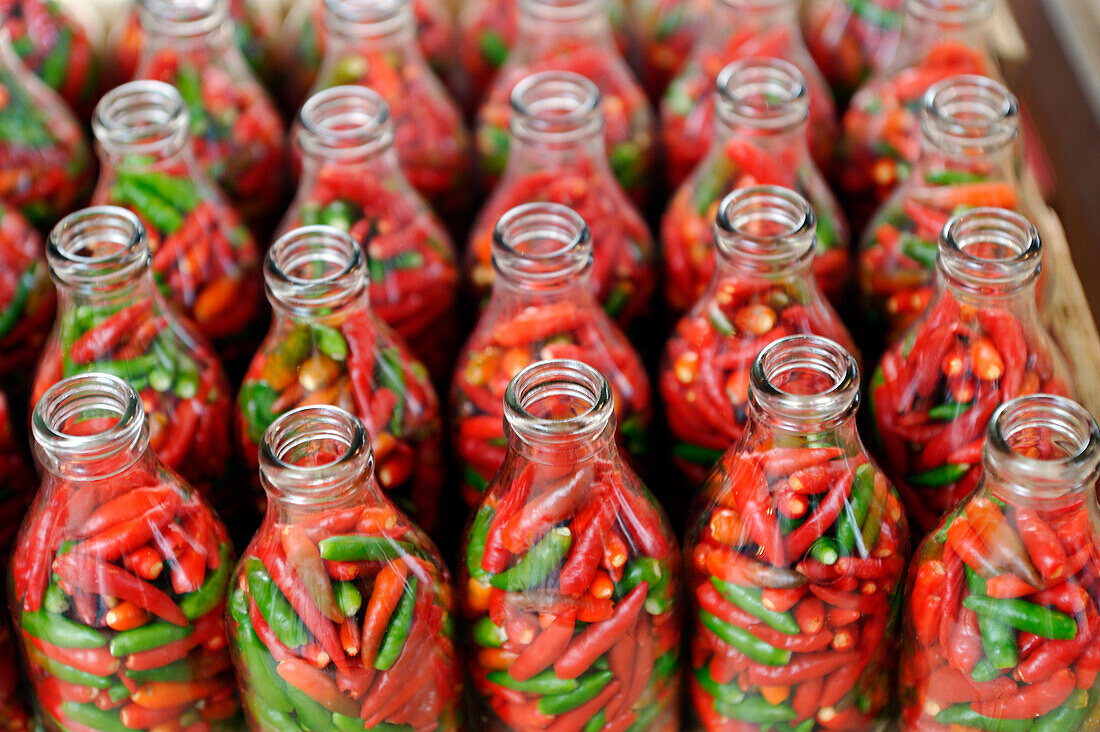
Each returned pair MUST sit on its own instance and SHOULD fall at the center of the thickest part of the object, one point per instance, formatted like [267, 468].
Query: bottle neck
[764, 233]
[358, 26]
[927, 24]
[316, 274]
[348, 127]
[141, 124]
[741, 17]
[189, 24]
[989, 256]
[543, 23]
[556, 121]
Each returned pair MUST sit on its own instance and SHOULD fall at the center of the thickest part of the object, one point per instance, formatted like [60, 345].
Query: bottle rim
[314, 268]
[970, 114]
[823, 409]
[762, 93]
[345, 121]
[789, 245]
[368, 18]
[562, 11]
[556, 107]
[98, 247]
[989, 250]
[558, 379]
[183, 18]
[949, 12]
[142, 117]
[544, 245]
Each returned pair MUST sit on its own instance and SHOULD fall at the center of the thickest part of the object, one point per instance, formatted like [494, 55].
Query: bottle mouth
[314, 268]
[989, 250]
[183, 18]
[758, 6]
[556, 106]
[763, 93]
[949, 13]
[141, 118]
[562, 11]
[804, 379]
[544, 245]
[345, 120]
[315, 455]
[368, 18]
[98, 247]
[558, 400]
[766, 229]
[970, 114]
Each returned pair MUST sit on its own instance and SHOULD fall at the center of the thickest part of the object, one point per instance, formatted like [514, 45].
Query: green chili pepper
[179, 192]
[350, 724]
[488, 634]
[65, 672]
[495, 142]
[273, 719]
[627, 163]
[696, 454]
[588, 687]
[118, 691]
[876, 14]
[748, 599]
[1067, 716]
[181, 670]
[150, 206]
[855, 510]
[55, 600]
[645, 716]
[493, 48]
[546, 682]
[756, 710]
[640, 569]
[189, 84]
[11, 314]
[617, 299]
[745, 641]
[729, 693]
[358, 548]
[985, 669]
[962, 714]
[998, 638]
[632, 430]
[537, 565]
[330, 341]
[348, 598]
[128, 370]
[263, 680]
[666, 664]
[391, 375]
[948, 412]
[53, 66]
[719, 321]
[596, 723]
[945, 177]
[1025, 616]
[473, 479]
[92, 716]
[311, 715]
[206, 598]
[340, 214]
[475, 547]
[57, 630]
[945, 474]
[255, 401]
[275, 608]
[147, 637]
[393, 640]
[825, 550]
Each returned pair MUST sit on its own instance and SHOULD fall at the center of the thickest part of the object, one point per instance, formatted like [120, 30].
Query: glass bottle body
[667, 30]
[797, 557]
[1000, 615]
[851, 42]
[27, 298]
[739, 29]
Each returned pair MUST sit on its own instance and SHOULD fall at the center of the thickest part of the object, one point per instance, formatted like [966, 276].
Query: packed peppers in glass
[760, 291]
[980, 343]
[797, 559]
[557, 155]
[204, 259]
[761, 113]
[571, 575]
[236, 132]
[739, 29]
[543, 306]
[1001, 616]
[352, 180]
[573, 35]
[970, 157]
[881, 128]
[341, 608]
[849, 41]
[112, 319]
[119, 575]
[371, 44]
[46, 161]
[27, 297]
[667, 30]
[326, 346]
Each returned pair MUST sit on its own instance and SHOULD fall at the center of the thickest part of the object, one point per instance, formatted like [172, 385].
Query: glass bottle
[27, 298]
[557, 156]
[760, 291]
[762, 108]
[339, 593]
[667, 30]
[851, 41]
[979, 343]
[739, 29]
[970, 157]
[111, 318]
[236, 132]
[572, 35]
[1000, 617]
[543, 306]
[46, 159]
[570, 568]
[119, 574]
[204, 259]
[56, 47]
[370, 43]
[880, 139]
[351, 179]
[799, 550]
[326, 346]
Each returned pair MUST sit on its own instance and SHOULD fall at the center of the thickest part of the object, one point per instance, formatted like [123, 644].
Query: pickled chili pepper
[236, 133]
[168, 667]
[881, 127]
[978, 345]
[849, 41]
[371, 44]
[759, 292]
[542, 307]
[739, 29]
[351, 180]
[564, 489]
[822, 660]
[666, 30]
[557, 155]
[759, 139]
[383, 661]
[27, 300]
[969, 159]
[575, 36]
[326, 346]
[1027, 662]
[204, 259]
[112, 319]
[47, 162]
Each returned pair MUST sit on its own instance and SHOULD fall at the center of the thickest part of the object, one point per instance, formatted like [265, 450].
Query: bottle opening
[183, 18]
[314, 267]
[345, 120]
[804, 378]
[541, 244]
[556, 106]
[368, 18]
[560, 398]
[990, 249]
[763, 93]
[562, 10]
[765, 228]
[950, 13]
[141, 118]
[969, 115]
[98, 246]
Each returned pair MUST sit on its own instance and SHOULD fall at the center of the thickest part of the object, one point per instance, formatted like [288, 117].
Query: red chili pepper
[798, 541]
[1002, 543]
[596, 639]
[1032, 700]
[549, 507]
[1043, 546]
[587, 550]
[969, 546]
[91, 575]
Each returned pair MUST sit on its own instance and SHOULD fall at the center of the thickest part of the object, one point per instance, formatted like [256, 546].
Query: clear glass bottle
[119, 574]
[797, 558]
[881, 129]
[1000, 616]
[557, 155]
[760, 291]
[571, 579]
[667, 30]
[351, 179]
[543, 306]
[739, 29]
[851, 41]
[237, 134]
[204, 259]
[572, 35]
[979, 343]
[112, 319]
[371, 44]
[762, 108]
[27, 298]
[970, 157]
[341, 608]
[47, 162]
[326, 346]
